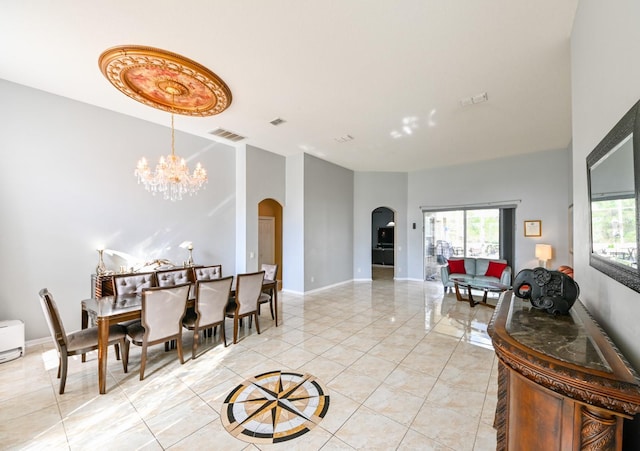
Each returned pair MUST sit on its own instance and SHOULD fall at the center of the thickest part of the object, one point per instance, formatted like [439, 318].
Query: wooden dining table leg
[275, 302]
[103, 347]
[85, 323]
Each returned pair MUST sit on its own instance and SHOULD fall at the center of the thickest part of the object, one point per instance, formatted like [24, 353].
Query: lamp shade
[543, 252]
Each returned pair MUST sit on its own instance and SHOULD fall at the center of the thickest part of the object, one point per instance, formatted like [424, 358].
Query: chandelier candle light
[171, 176]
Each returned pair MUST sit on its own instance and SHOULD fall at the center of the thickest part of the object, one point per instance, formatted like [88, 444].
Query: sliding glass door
[461, 233]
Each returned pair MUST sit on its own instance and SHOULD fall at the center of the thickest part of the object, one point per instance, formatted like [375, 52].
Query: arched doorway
[382, 243]
[270, 235]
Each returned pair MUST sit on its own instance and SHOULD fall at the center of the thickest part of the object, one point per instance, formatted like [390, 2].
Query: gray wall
[293, 226]
[605, 72]
[67, 186]
[539, 181]
[328, 223]
[265, 179]
[372, 190]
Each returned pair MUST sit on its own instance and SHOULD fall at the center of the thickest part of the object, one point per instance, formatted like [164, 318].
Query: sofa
[471, 268]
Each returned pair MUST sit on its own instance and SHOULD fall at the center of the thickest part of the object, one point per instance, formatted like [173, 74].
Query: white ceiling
[390, 73]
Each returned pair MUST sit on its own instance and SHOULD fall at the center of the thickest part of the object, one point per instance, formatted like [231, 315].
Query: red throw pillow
[456, 267]
[495, 269]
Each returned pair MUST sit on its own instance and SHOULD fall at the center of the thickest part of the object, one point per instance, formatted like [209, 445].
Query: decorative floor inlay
[274, 407]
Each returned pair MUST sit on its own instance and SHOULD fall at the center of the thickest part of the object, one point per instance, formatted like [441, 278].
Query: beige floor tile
[38, 430]
[415, 441]
[343, 355]
[317, 345]
[485, 438]
[340, 409]
[180, 421]
[451, 427]
[456, 397]
[324, 369]
[294, 358]
[411, 381]
[336, 444]
[392, 353]
[394, 403]
[354, 385]
[212, 432]
[366, 429]
[137, 437]
[26, 403]
[373, 367]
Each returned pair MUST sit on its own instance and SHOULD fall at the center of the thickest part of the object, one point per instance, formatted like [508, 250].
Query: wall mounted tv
[385, 236]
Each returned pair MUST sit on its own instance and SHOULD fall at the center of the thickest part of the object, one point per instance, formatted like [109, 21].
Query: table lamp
[543, 253]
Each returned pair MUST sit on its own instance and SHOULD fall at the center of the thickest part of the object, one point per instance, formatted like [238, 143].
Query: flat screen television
[385, 236]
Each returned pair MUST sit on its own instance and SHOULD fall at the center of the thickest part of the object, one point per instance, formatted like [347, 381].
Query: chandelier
[171, 176]
[173, 83]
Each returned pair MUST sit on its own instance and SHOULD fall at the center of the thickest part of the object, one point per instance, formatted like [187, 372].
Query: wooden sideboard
[562, 383]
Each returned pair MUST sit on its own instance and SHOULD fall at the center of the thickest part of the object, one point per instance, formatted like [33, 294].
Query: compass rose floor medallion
[274, 407]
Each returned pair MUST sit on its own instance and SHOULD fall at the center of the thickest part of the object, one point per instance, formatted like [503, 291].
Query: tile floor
[406, 368]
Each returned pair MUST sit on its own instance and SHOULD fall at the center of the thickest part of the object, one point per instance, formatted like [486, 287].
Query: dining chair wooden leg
[257, 323]
[223, 334]
[63, 375]
[143, 360]
[117, 348]
[179, 346]
[196, 338]
[271, 308]
[125, 354]
[59, 366]
[235, 330]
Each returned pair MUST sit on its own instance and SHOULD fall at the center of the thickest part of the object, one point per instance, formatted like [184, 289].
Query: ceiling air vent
[277, 121]
[478, 98]
[344, 139]
[226, 134]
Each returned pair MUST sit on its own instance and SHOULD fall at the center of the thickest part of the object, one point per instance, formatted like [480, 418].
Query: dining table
[109, 310]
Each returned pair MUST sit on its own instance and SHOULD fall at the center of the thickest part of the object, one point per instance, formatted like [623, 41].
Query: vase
[101, 268]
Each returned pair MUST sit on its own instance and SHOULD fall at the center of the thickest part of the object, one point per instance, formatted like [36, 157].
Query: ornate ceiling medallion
[165, 80]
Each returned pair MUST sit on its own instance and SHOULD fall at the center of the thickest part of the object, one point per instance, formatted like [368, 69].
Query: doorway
[270, 235]
[382, 243]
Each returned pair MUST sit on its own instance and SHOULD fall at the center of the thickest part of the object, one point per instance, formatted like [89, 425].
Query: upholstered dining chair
[212, 297]
[161, 319]
[207, 272]
[270, 273]
[79, 342]
[248, 289]
[173, 277]
[133, 284]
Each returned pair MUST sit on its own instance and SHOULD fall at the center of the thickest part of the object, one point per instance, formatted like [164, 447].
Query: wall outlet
[313, 279]
[251, 255]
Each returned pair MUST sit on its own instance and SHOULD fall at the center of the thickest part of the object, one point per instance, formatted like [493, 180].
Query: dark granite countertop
[563, 337]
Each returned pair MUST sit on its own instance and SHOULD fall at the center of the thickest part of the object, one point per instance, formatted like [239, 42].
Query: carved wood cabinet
[562, 383]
